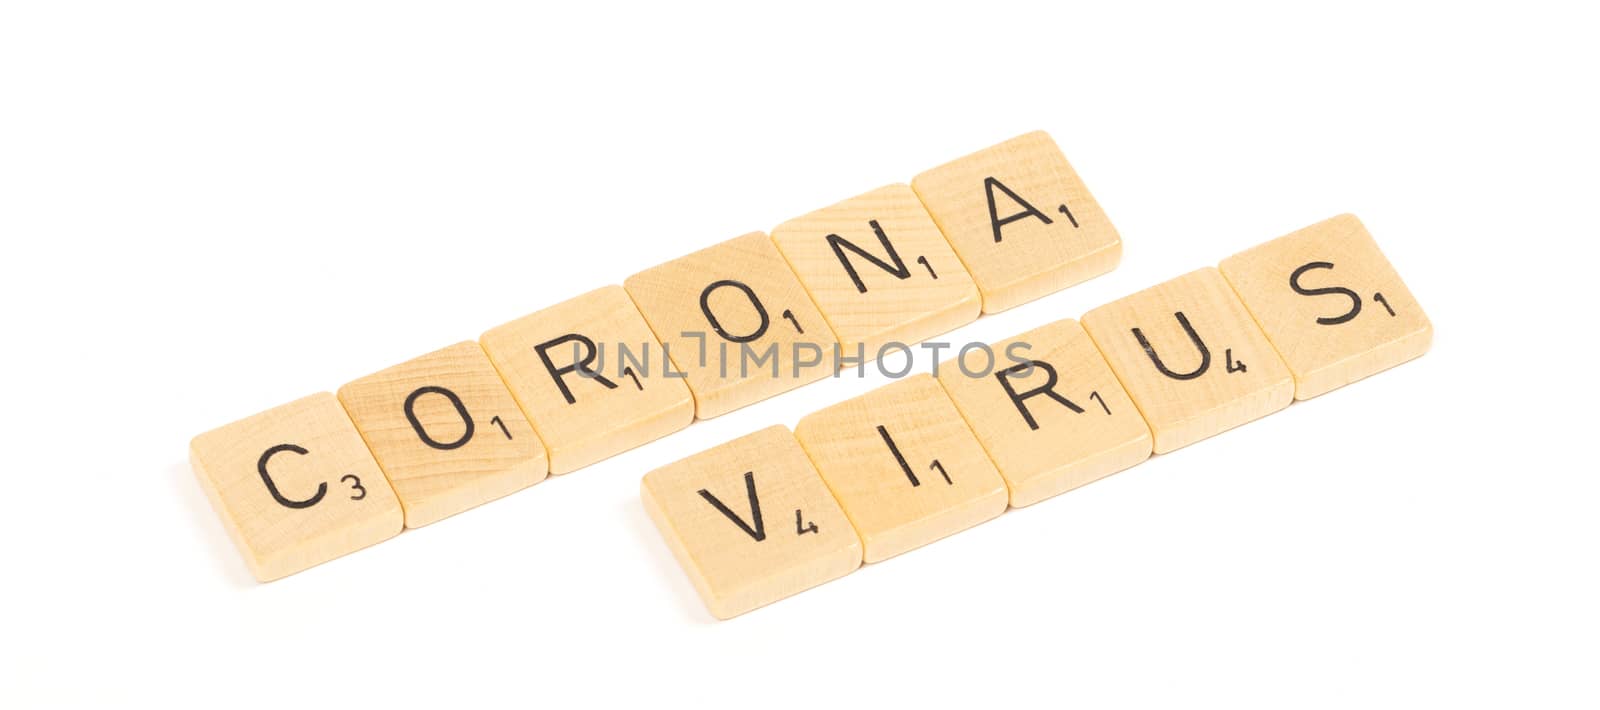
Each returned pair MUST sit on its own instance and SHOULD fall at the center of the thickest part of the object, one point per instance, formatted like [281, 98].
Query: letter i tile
[591, 377]
[904, 466]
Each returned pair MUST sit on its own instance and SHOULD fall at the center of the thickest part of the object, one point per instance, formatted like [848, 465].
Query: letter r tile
[751, 522]
[1054, 423]
[591, 378]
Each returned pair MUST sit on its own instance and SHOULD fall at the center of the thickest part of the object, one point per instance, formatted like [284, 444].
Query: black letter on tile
[582, 363]
[1205, 355]
[900, 459]
[461, 409]
[898, 268]
[1019, 399]
[1355, 301]
[705, 307]
[261, 468]
[759, 532]
[989, 184]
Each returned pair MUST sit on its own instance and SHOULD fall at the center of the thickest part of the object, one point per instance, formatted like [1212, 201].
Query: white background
[209, 209]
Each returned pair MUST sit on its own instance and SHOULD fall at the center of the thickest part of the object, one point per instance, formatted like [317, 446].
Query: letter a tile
[1051, 424]
[752, 330]
[1020, 219]
[295, 486]
[1331, 303]
[590, 376]
[751, 522]
[446, 431]
[1191, 358]
[904, 466]
[879, 270]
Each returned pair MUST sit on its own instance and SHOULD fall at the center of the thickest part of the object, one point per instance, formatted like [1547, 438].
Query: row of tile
[605, 372]
[929, 456]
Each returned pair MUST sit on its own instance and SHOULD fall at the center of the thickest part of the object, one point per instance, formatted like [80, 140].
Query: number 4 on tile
[802, 527]
[757, 530]
[1233, 365]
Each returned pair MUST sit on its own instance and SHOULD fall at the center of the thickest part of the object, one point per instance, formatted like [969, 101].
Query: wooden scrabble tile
[446, 432]
[880, 271]
[904, 466]
[295, 486]
[1191, 358]
[751, 522]
[1331, 303]
[590, 376]
[752, 332]
[1050, 412]
[1021, 220]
